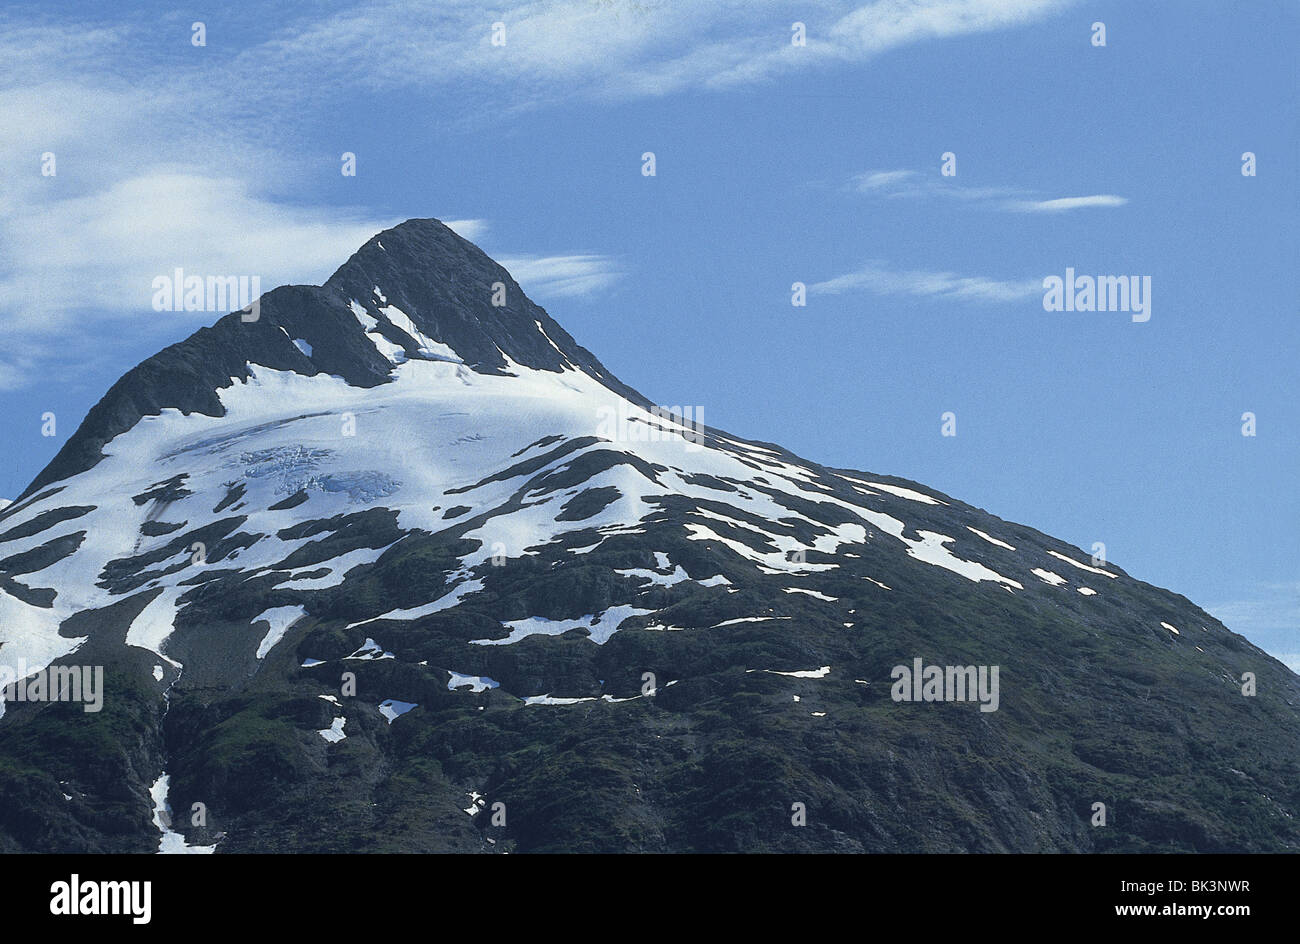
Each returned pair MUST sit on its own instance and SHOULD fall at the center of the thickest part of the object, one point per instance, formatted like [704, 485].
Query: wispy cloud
[1062, 204]
[1273, 607]
[612, 49]
[562, 276]
[878, 279]
[1269, 617]
[912, 184]
[163, 157]
[883, 179]
[103, 249]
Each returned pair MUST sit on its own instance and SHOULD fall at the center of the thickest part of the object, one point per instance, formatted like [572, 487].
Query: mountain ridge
[634, 631]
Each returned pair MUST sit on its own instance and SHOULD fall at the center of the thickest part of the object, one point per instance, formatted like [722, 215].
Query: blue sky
[775, 164]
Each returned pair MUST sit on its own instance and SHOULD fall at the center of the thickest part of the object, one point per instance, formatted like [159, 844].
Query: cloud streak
[612, 49]
[574, 276]
[1269, 617]
[1061, 204]
[876, 278]
[912, 184]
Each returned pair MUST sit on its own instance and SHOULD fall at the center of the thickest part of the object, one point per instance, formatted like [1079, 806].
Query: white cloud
[473, 230]
[1269, 617]
[910, 183]
[1273, 608]
[1067, 203]
[562, 276]
[877, 180]
[876, 278]
[103, 250]
[164, 157]
[608, 48]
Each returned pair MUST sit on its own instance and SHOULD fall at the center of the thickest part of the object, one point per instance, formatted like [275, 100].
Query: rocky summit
[398, 566]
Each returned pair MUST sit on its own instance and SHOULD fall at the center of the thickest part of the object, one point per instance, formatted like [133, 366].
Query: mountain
[399, 566]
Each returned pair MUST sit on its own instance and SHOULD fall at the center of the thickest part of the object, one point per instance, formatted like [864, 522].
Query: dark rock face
[452, 301]
[665, 682]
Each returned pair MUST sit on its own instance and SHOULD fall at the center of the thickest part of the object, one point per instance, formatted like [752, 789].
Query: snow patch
[802, 673]
[600, 627]
[1075, 563]
[371, 651]
[989, 538]
[475, 683]
[334, 733]
[280, 618]
[392, 709]
[811, 593]
[905, 493]
[172, 843]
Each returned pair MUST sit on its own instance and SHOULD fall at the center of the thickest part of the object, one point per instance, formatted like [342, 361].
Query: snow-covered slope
[510, 452]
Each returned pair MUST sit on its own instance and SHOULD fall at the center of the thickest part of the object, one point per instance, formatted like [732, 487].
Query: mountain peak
[416, 291]
[455, 295]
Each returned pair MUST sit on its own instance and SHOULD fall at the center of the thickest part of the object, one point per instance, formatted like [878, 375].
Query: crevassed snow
[280, 618]
[501, 414]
